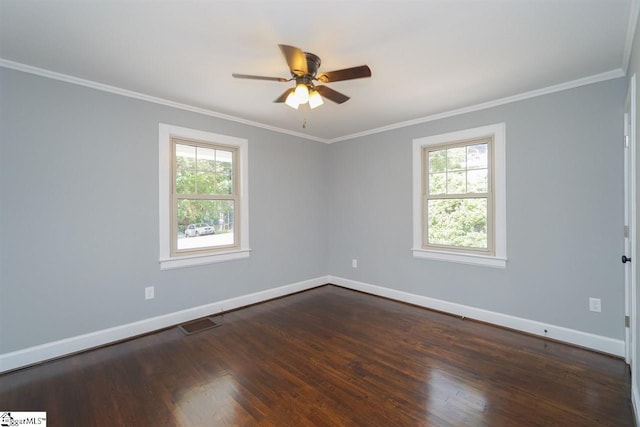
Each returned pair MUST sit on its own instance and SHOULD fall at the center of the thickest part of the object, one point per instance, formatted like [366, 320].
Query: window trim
[166, 259]
[499, 258]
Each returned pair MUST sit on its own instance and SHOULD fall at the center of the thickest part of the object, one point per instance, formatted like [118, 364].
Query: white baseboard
[55, 349]
[571, 336]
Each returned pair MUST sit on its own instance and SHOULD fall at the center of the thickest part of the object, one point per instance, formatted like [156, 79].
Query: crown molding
[631, 33]
[141, 96]
[609, 75]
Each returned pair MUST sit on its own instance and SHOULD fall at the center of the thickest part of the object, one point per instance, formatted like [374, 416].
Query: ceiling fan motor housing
[313, 64]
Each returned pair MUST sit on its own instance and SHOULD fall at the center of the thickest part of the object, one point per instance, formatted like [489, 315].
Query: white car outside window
[200, 229]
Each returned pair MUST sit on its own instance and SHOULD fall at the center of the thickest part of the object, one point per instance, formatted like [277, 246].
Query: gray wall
[564, 212]
[79, 213]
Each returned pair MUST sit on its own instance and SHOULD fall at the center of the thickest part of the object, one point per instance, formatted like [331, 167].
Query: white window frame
[499, 258]
[167, 260]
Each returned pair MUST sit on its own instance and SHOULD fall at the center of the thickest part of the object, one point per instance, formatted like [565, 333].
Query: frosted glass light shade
[315, 100]
[302, 93]
[292, 100]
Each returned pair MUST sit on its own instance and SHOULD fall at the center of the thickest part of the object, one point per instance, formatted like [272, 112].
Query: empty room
[304, 213]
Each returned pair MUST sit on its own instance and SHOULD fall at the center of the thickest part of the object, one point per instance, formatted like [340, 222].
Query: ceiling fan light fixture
[292, 100]
[303, 68]
[315, 100]
[302, 93]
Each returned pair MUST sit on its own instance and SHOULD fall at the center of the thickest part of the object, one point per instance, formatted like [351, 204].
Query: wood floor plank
[329, 357]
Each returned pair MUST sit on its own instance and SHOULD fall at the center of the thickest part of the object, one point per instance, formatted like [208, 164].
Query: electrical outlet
[595, 304]
[149, 292]
[354, 263]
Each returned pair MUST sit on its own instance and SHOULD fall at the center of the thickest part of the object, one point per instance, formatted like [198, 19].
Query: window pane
[224, 172]
[456, 158]
[456, 183]
[458, 222]
[437, 161]
[185, 169]
[477, 181]
[206, 164]
[437, 183]
[205, 223]
[477, 156]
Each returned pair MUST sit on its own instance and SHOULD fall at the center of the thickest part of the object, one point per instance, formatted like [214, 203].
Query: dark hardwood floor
[329, 357]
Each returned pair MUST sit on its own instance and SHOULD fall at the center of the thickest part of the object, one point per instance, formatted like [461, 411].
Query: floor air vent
[198, 326]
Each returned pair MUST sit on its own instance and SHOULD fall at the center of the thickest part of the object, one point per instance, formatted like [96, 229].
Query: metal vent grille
[198, 325]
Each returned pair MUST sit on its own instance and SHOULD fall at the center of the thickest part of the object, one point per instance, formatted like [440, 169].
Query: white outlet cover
[595, 305]
[149, 292]
[354, 263]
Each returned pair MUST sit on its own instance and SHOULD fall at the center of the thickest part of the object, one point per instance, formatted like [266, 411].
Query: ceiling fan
[304, 70]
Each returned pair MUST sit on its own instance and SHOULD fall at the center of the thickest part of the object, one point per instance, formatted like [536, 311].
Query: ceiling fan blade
[296, 59]
[346, 74]
[249, 76]
[283, 97]
[332, 95]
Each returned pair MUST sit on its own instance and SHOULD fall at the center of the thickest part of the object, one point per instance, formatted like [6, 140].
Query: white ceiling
[427, 57]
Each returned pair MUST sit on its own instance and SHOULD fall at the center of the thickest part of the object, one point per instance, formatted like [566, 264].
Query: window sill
[191, 260]
[482, 260]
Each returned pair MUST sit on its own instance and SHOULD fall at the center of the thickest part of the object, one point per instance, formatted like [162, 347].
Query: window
[203, 197]
[459, 196]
